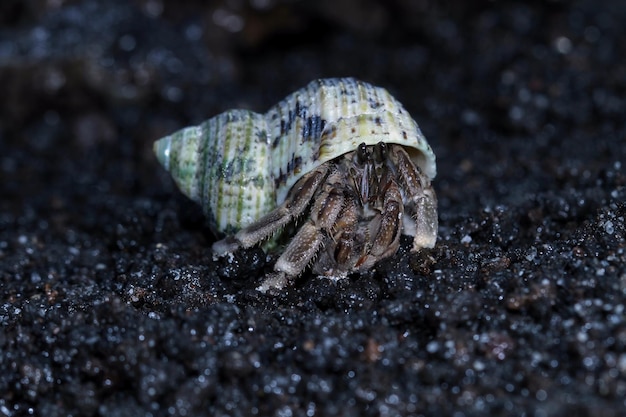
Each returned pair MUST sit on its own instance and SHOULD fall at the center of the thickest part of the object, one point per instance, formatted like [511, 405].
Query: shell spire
[213, 162]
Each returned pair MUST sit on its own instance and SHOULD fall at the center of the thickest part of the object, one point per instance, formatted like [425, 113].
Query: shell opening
[421, 160]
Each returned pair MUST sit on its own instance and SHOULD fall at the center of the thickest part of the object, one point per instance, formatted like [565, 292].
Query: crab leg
[348, 241]
[306, 244]
[386, 228]
[386, 240]
[296, 202]
[417, 185]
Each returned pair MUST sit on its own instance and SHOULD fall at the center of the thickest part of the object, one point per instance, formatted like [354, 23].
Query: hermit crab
[340, 159]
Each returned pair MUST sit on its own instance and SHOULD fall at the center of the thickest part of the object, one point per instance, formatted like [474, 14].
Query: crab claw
[225, 246]
[274, 281]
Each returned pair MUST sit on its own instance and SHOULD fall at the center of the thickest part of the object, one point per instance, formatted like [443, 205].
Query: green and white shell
[239, 165]
[223, 165]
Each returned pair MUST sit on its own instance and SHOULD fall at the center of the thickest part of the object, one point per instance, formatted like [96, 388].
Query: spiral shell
[222, 164]
[239, 164]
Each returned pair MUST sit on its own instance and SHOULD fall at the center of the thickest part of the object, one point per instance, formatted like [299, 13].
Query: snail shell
[239, 164]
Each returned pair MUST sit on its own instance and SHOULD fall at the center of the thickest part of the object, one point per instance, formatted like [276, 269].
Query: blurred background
[103, 79]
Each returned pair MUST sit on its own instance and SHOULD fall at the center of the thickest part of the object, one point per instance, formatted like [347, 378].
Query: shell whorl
[330, 117]
[222, 165]
[239, 164]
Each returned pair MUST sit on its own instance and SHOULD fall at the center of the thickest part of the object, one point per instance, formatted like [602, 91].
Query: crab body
[341, 154]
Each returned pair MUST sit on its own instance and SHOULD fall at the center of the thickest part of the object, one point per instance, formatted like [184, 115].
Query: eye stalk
[363, 155]
[380, 152]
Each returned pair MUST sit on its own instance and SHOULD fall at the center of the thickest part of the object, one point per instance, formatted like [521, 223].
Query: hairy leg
[424, 202]
[296, 202]
[342, 249]
[385, 228]
[306, 243]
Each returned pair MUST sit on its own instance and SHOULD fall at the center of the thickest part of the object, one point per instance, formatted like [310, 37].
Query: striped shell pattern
[240, 164]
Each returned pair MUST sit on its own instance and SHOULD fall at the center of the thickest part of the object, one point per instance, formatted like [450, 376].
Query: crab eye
[380, 152]
[362, 154]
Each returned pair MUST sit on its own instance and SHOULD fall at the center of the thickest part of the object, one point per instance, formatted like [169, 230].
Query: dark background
[112, 304]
